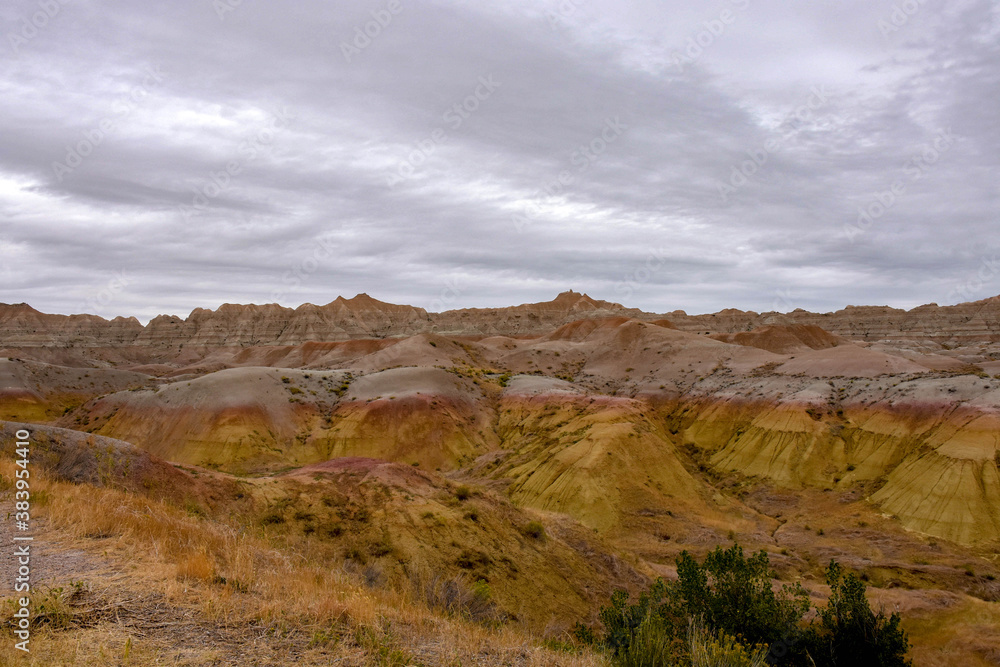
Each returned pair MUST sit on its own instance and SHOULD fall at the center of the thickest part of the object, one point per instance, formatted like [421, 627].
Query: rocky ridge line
[362, 316]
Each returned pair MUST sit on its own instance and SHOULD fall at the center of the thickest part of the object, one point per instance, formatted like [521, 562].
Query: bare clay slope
[256, 419]
[41, 393]
[94, 460]
[784, 339]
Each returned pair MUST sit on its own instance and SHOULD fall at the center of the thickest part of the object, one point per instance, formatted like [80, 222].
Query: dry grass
[85, 647]
[970, 630]
[188, 590]
[196, 567]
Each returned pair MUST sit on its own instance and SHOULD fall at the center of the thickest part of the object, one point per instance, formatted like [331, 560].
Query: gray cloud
[663, 154]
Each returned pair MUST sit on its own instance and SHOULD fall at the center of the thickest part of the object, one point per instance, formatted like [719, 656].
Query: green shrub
[725, 612]
[482, 592]
[54, 608]
[622, 620]
[652, 646]
[850, 633]
[534, 529]
[734, 593]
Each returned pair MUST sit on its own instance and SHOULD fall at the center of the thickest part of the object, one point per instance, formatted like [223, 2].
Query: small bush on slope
[851, 633]
[652, 645]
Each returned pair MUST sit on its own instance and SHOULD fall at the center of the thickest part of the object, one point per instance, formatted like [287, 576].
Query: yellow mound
[600, 461]
[255, 419]
[951, 486]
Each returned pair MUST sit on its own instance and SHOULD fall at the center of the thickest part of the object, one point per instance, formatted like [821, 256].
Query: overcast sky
[157, 156]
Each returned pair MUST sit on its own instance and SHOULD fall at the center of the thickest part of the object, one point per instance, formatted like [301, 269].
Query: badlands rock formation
[365, 317]
[577, 406]
[554, 451]
[965, 323]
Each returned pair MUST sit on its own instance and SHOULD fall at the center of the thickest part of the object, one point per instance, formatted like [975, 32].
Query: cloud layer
[157, 157]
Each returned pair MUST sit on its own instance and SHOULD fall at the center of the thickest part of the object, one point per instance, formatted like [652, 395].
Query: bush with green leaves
[730, 598]
[850, 633]
[733, 593]
[651, 646]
